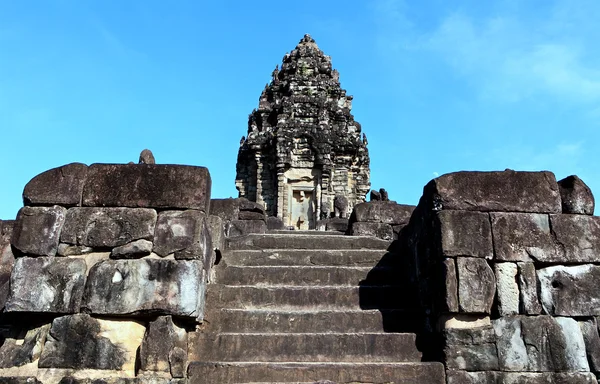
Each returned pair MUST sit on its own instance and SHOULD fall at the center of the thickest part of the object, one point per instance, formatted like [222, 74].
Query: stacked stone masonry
[104, 272]
[507, 265]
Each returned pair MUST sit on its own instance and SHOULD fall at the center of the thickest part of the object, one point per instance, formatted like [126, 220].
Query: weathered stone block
[216, 228]
[147, 186]
[574, 352]
[524, 237]
[108, 227]
[465, 233]
[512, 352]
[589, 330]
[7, 259]
[336, 224]
[23, 345]
[83, 342]
[65, 249]
[387, 212]
[506, 191]
[528, 289]
[578, 236]
[463, 377]
[471, 349]
[379, 230]
[476, 285]
[61, 186]
[142, 286]
[19, 380]
[178, 230]
[576, 196]
[450, 301]
[570, 291]
[275, 223]
[245, 227]
[226, 209]
[37, 230]
[134, 250]
[162, 340]
[507, 288]
[46, 284]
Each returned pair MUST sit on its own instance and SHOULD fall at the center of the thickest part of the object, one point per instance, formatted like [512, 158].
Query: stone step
[313, 297]
[302, 275]
[340, 347]
[286, 372]
[324, 257]
[310, 232]
[293, 241]
[265, 321]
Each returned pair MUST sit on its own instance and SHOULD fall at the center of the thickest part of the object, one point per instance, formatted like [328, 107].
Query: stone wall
[108, 266]
[382, 219]
[508, 266]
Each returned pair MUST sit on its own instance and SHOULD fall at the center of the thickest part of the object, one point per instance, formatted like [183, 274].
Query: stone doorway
[303, 210]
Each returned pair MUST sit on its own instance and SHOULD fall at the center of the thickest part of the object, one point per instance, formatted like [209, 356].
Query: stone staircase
[306, 306]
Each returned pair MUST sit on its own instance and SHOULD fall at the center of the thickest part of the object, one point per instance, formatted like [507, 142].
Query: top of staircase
[305, 240]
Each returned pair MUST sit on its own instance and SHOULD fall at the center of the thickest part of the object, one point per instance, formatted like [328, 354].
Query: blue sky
[438, 86]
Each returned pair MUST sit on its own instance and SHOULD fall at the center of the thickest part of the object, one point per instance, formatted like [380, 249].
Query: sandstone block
[274, 223]
[143, 286]
[476, 285]
[589, 330]
[463, 377]
[578, 236]
[83, 342]
[575, 353]
[187, 231]
[576, 196]
[147, 186]
[134, 250]
[512, 352]
[387, 212]
[465, 233]
[507, 288]
[65, 249]
[249, 215]
[162, 341]
[380, 230]
[46, 284]
[336, 224]
[23, 345]
[570, 291]
[450, 302]
[37, 230]
[7, 259]
[524, 237]
[108, 227]
[506, 191]
[471, 349]
[226, 209]
[216, 228]
[61, 186]
[244, 227]
[528, 289]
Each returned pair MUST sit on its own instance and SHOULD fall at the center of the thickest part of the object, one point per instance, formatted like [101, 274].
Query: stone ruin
[303, 147]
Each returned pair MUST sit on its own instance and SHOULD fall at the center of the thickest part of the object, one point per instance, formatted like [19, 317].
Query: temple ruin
[304, 148]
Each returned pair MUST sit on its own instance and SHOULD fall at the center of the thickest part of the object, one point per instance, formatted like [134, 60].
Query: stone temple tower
[303, 150]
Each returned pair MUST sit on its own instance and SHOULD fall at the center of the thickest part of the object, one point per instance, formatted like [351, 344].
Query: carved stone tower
[303, 149]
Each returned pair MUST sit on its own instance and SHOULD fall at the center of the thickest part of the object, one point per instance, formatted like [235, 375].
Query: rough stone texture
[528, 289]
[226, 209]
[546, 344]
[465, 233]
[379, 230]
[524, 237]
[570, 291]
[476, 285]
[303, 137]
[147, 186]
[108, 227]
[340, 206]
[46, 284]
[19, 380]
[574, 352]
[162, 341]
[578, 236]
[60, 186]
[83, 342]
[463, 377]
[7, 259]
[244, 227]
[589, 330]
[507, 288]
[180, 230]
[387, 212]
[333, 224]
[512, 352]
[450, 301]
[216, 229]
[134, 250]
[65, 249]
[274, 223]
[131, 287]
[37, 230]
[23, 345]
[506, 191]
[146, 157]
[576, 196]
[471, 349]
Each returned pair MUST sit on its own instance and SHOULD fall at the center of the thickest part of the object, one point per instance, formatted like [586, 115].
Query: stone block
[65, 249]
[528, 289]
[249, 215]
[575, 354]
[23, 345]
[134, 250]
[512, 352]
[107, 227]
[336, 224]
[379, 230]
[464, 233]
[570, 291]
[147, 186]
[450, 300]
[163, 340]
[245, 227]
[507, 288]
[505, 191]
[578, 236]
[180, 230]
[387, 212]
[576, 196]
[274, 223]
[7, 259]
[476, 285]
[144, 286]
[589, 330]
[216, 228]
[471, 349]
[19, 380]
[60, 186]
[37, 230]
[524, 237]
[463, 377]
[226, 209]
[46, 284]
[83, 342]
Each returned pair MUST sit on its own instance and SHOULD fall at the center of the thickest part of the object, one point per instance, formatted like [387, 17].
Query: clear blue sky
[439, 86]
